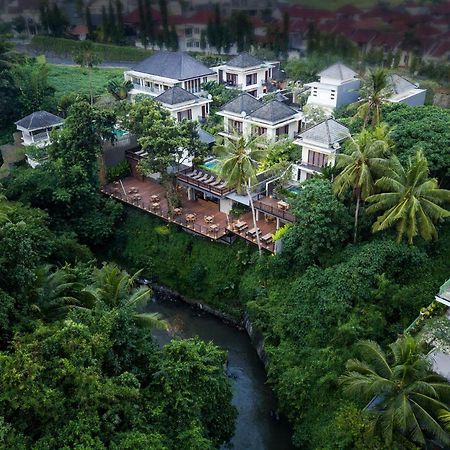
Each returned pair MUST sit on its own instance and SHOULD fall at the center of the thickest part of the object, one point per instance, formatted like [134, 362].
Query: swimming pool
[211, 164]
[119, 132]
[294, 189]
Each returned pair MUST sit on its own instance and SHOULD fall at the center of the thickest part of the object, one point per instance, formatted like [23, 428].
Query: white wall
[417, 98]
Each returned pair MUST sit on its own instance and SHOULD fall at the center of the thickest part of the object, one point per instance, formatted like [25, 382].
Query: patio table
[177, 211]
[283, 205]
[209, 219]
[267, 238]
[156, 205]
[190, 217]
[253, 231]
[154, 198]
[240, 226]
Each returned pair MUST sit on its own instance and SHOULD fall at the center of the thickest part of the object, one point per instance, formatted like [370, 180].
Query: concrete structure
[338, 86]
[164, 70]
[246, 73]
[320, 144]
[184, 105]
[406, 92]
[247, 116]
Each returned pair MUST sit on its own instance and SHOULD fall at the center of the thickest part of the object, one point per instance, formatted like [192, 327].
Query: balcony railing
[311, 167]
[39, 137]
[272, 210]
[149, 89]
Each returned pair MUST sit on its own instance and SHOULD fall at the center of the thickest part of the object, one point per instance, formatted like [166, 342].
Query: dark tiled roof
[244, 60]
[273, 111]
[175, 95]
[175, 65]
[327, 132]
[205, 137]
[38, 120]
[242, 103]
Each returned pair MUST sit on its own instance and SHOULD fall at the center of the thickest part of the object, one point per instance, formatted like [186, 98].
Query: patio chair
[209, 180]
[204, 177]
[193, 173]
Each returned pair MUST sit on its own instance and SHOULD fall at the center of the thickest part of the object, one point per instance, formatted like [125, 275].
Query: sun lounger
[215, 183]
[199, 175]
[209, 180]
[204, 177]
[221, 185]
[139, 153]
[193, 173]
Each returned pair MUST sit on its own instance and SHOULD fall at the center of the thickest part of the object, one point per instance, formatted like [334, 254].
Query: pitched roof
[242, 103]
[244, 60]
[273, 111]
[175, 95]
[38, 120]
[338, 71]
[327, 132]
[175, 65]
[205, 137]
[400, 84]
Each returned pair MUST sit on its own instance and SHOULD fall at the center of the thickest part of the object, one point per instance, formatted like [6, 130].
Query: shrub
[118, 171]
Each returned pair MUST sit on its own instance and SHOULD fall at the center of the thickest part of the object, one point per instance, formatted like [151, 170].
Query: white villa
[245, 115]
[246, 73]
[183, 104]
[164, 70]
[338, 86]
[319, 145]
[37, 127]
[406, 92]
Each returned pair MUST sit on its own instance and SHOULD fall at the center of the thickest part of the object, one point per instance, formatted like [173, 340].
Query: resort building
[37, 127]
[406, 92]
[246, 73]
[247, 116]
[320, 144]
[183, 104]
[338, 86]
[164, 70]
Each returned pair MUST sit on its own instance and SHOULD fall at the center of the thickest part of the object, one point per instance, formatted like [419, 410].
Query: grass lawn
[67, 79]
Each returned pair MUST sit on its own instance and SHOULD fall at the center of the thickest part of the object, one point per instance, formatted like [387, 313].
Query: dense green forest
[78, 365]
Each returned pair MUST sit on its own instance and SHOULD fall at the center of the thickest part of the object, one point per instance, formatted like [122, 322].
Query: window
[254, 93]
[231, 79]
[196, 30]
[251, 79]
[317, 159]
[234, 126]
[260, 131]
[188, 32]
[184, 115]
[282, 130]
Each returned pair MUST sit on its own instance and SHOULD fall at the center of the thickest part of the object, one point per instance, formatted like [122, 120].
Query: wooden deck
[200, 208]
[269, 205]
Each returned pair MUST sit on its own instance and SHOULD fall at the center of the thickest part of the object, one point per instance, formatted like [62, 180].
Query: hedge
[66, 47]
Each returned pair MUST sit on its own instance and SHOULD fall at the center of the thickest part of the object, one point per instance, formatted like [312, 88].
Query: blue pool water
[294, 189]
[211, 164]
[119, 132]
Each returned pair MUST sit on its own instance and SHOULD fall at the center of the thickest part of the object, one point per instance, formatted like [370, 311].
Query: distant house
[164, 70]
[247, 116]
[183, 104]
[80, 32]
[406, 92]
[338, 86]
[36, 131]
[320, 144]
[246, 73]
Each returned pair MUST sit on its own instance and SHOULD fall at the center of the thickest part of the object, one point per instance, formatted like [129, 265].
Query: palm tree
[375, 90]
[120, 89]
[113, 290]
[409, 200]
[409, 397]
[360, 167]
[86, 56]
[56, 292]
[238, 163]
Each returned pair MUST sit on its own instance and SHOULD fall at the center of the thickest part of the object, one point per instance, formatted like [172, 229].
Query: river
[255, 428]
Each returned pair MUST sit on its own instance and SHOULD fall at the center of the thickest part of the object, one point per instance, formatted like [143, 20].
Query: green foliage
[118, 171]
[425, 128]
[220, 93]
[410, 397]
[66, 47]
[322, 225]
[68, 80]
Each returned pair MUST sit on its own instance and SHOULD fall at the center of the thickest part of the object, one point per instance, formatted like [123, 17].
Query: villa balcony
[147, 89]
[269, 205]
[310, 167]
[204, 181]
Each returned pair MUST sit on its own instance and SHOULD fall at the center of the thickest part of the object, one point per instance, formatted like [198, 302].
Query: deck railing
[164, 213]
[273, 210]
[220, 192]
